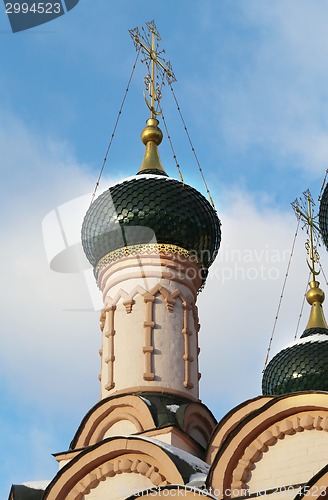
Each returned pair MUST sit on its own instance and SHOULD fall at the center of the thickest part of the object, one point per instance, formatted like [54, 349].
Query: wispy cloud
[252, 82]
[266, 79]
[239, 304]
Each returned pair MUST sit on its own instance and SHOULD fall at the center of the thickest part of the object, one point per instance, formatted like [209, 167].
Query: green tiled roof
[302, 366]
[145, 207]
[21, 492]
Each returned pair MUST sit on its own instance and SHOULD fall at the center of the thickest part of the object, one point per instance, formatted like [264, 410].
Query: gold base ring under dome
[146, 249]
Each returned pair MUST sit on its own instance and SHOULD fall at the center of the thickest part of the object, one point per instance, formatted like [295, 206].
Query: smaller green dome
[301, 366]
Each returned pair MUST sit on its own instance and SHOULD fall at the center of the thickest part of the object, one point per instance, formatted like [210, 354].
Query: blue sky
[252, 84]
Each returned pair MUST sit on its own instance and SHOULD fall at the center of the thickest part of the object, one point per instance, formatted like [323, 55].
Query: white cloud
[276, 100]
[53, 336]
[239, 304]
[49, 349]
[266, 83]
[52, 331]
[38, 332]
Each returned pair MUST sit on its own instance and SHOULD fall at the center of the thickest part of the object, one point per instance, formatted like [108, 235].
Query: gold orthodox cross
[158, 68]
[304, 211]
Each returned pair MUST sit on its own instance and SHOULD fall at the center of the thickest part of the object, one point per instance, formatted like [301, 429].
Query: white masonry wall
[292, 460]
[150, 337]
[119, 487]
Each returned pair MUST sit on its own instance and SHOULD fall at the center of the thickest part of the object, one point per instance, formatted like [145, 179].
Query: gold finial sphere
[315, 294]
[151, 132]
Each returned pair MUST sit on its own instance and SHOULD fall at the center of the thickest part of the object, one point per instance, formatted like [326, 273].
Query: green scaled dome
[323, 216]
[149, 208]
[301, 366]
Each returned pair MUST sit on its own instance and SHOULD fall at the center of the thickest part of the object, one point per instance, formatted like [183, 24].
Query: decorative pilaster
[148, 348]
[109, 333]
[187, 358]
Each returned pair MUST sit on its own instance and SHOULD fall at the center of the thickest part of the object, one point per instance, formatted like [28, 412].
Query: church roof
[119, 455]
[301, 366]
[187, 464]
[152, 410]
[22, 492]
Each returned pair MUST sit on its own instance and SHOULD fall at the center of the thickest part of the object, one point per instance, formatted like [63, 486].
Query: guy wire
[115, 127]
[281, 296]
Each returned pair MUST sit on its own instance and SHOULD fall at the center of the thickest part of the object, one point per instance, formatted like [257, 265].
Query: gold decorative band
[145, 249]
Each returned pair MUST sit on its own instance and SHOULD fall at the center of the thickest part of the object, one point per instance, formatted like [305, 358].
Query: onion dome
[323, 216]
[302, 365]
[151, 208]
